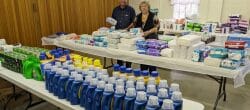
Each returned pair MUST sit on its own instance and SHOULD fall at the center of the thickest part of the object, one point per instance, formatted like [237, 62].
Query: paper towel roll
[188, 40]
[194, 47]
[167, 53]
[215, 62]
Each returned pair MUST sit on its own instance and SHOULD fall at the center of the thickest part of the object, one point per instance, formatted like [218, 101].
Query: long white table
[38, 88]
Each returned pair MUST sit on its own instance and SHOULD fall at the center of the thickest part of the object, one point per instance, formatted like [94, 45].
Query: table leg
[32, 104]
[13, 95]
[105, 65]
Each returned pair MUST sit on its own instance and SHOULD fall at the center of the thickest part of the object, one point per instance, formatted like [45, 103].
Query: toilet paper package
[191, 49]
[167, 52]
[183, 52]
[215, 62]
[113, 41]
[128, 47]
[188, 40]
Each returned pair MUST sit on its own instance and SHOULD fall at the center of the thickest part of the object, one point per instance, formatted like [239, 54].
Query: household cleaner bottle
[137, 73]
[151, 81]
[130, 99]
[145, 74]
[55, 81]
[119, 98]
[83, 91]
[151, 90]
[47, 71]
[173, 87]
[163, 84]
[62, 83]
[98, 95]
[177, 99]
[141, 101]
[107, 98]
[130, 84]
[140, 86]
[155, 75]
[153, 103]
[75, 100]
[69, 84]
[162, 95]
[116, 71]
[167, 105]
[51, 78]
[90, 94]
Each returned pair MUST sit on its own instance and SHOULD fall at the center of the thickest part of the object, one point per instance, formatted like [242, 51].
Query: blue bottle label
[97, 100]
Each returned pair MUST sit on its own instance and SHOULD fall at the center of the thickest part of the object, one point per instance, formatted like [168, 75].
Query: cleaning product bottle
[90, 94]
[141, 101]
[47, 71]
[173, 87]
[116, 71]
[58, 64]
[62, 83]
[112, 80]
[145, 74]
[105, 71]
[163, 84]
[137, 73]
[51, 78]
[55, 81]
[99, 76]
[65, 65]
[98, 95]
[167, 105]
[153, 103]
[105, 78]
[119, 98]
[162, 95]
[151, 81]
[155, 74]
[151, 90]
[119, 82]
[69, 84]
[123, 77]
[107, 98]
[129, 72]
[71, 68]
[130, 84]
[140, 86]
[131, 78]
[177, 99]
[122, 69]
[140, 79]
[74, 99]
[83, 91]
[130, 99]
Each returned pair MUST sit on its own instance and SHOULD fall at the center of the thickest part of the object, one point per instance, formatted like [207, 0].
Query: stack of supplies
[128, 40]
[216, 56]
[150, 47]
[113, 39]
[234, 21]
[243, 26]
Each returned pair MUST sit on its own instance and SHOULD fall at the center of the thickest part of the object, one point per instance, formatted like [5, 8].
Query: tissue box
[218, 53]
[236, 55]
[215, 62]
[230, 64]
[236, 44]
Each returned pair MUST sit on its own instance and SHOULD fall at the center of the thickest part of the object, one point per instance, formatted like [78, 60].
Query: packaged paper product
[167, 52]
[183, 52]
[127, 47]
[230, 64]
[177, 51]
[114, 35]
[188, 40]
[215, 62]
[130, 41]
[194, 47]
[113, 41]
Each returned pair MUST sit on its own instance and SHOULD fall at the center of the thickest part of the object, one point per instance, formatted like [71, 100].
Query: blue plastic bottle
[55, 81]
[119, 98]
[90, 94]
[153, 103]
[173, 87]
[51, 78]
[69, 84]
[151, 81]
[119, 82]
[163, 84]
[130, 84]
[105, 78]
[122, 69]
[130, 99]
[112, 80]
[162, 94]
[75, 99]
[116, 71]
[137, 73]
[83, 91]
[177, 99]
[141, 101]
[71, 68]
[167, 105]
[98, 95]
[107, 98]
[151, 90]
[62, 83]
[140, 86]
[47, 71]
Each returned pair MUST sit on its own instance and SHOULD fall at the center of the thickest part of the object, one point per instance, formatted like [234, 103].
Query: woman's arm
[155, 29]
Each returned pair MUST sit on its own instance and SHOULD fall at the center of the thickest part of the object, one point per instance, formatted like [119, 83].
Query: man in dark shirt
[124, 15]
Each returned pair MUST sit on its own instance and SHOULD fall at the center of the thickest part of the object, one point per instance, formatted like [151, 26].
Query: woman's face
[144, 8]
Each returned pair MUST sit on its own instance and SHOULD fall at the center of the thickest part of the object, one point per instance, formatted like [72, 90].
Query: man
[124, 15]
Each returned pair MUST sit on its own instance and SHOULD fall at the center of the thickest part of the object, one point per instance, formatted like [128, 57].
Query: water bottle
[130, 84]
[173, 87]
[119, 98]
[116, 71]
[69, 84]
[162, 95]
[47, 72]
[62, 83]
[107, 97]
[151, 81]
[141, 101]
[167, 105]
[90, 94]
[153, 103]
[51, 78]
[130, 99]
[83, 91]
[75, 100]
[98, 95]
[151, 90]
[140, 86]
[177, 99]
[55, 81]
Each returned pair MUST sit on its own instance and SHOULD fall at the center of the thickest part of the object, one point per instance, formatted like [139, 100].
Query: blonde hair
[146, 3]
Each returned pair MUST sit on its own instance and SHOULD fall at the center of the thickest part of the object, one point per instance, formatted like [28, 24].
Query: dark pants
[128, 64]
[147, 67]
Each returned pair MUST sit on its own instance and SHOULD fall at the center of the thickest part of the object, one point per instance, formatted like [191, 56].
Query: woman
[149, 23]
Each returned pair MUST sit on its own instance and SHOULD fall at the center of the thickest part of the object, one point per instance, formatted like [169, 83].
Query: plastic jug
[130, 99]
[83, 91]
[90, 94]
[62, 83]
[119, 98]
[107, 98]
[75, 99]
[98, 95]
[141, 101]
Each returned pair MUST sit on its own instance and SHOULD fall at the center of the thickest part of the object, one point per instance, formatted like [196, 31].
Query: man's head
[123, 3]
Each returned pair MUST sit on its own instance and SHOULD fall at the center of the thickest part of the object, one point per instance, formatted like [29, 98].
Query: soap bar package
[230, 64]
[215, 62]
[218, 53]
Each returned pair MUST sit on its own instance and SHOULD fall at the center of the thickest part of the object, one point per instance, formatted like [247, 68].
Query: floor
[194, 86]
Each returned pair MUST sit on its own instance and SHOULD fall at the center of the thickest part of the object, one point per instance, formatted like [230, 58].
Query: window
[185, 8]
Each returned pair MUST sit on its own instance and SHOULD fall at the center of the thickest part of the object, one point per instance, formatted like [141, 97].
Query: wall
[26, 21]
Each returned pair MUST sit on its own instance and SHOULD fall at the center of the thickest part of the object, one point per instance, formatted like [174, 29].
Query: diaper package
[215, 62]
[183, 52]
[236, 55]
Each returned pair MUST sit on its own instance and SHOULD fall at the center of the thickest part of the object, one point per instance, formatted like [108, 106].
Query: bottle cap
[153, 101]
[129, 70]
[151, 81]
[174, 87]
[66, 52]
[119, 82]
[141, 96]
[163, 93]
[112, 80]
[130, 84]
[123, 69]
[163, 84]
[167, 105]
[56, 55]
[154, 74]
[140, 86]
[65, 73]
[61, 53]
[145, 73]
[119, 90]
[52, 52]
[140, 79]
[176, 96]
[116, 67]
[123, 77]
[71, 67]
[151, 89]
[93, 82]
[109, 88]
[101, 85]
[105, 78]
[42, 57]
[91, 73]
[88, 79]
[105, 71]
[116, 74]
[58, 64]
[131, 78]
[131, 92]
[137, 72]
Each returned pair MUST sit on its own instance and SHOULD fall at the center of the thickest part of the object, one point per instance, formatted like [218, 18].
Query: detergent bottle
[90, 94]
[151, 81]
[116, 71]
[98, 95]
[71, 68]
[51, 78]
[55, 81]
[69, 84]
[153, 103]
[62, 83]
[119, 82]
[99, 76]
[112, 80]
[130, 84]
[105, 71]
[119, 98]
[83, 91]
[155, 74]
[177, 99]
[105, 78]
[107, 98]
[75, 99]
[141, 101]
[123, 77]
[145, 74]
[167, 105]
[140, 86]
[137, 73]
[47, 71]
[130, 99]
[131, 78]
[65, 65]
[129, 72]
[162, 95]
[151, 90]
[173, 87]
[163, 84]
